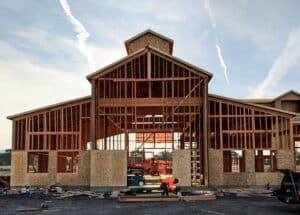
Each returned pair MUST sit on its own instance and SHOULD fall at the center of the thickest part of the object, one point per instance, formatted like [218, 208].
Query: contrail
[221, 60]
[82, 34]
[210, 13]
[214, 26]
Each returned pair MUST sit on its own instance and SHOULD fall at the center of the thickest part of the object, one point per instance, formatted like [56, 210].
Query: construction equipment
[152, 166]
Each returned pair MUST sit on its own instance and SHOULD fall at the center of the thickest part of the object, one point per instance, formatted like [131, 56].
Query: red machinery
[153, 166]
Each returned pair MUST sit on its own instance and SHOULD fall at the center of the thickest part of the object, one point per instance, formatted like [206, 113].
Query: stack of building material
[71, 194]
[246, 192]
[197, 196]
[148, 198]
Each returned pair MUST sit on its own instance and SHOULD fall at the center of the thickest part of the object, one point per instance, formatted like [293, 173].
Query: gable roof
[149, 31]
[261, 101]
[254, 105]
[48, 107]
[270, 100]
[143, 51]
[287, 93]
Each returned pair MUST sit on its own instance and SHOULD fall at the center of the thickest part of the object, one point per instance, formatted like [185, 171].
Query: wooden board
[148, 199]
[197, 198]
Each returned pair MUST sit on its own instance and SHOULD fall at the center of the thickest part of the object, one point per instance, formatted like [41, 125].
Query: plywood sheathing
[52, 167]
[285, 159]
[38, 179]
[18, 168]
[19, 175]
[79, 178]
[108, 168]
[215, 176]
[272, 178]
[250, 177]
[250, 166]
[43, 179]
[148, 39]
[182, 166]
[235, 179]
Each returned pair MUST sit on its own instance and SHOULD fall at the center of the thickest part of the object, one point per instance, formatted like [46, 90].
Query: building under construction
[152, 107]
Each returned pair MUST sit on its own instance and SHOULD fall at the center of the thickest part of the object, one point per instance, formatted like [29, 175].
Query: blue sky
[41, 62]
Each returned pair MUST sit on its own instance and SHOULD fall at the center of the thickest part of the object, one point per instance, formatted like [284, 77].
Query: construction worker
[167, 184]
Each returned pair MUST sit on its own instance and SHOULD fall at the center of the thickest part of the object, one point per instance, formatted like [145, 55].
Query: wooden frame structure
[151, 91]
[64, 128]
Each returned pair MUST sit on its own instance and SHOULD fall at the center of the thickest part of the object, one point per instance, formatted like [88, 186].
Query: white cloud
[104, 56]
[43, 40]
[168, 10]
[288, 58]
[264, 26]
[26, 85]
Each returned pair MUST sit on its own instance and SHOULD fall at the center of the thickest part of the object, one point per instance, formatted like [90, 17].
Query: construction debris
[148, 198]
[55, 189]
[32, 190]
[29, 209]
[190, 198]
[197, 195]
[245, 192]
[71, 194]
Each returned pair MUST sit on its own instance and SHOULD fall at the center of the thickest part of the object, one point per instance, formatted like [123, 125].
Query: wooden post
[13, 136]
[277, 133]
[93, 116]
[126, 114]
[205, 142]
[149, 73]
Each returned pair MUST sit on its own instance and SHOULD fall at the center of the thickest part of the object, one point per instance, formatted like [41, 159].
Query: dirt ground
[84, 205]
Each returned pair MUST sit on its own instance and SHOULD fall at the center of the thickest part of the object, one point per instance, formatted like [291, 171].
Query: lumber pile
[148, 198]
[246, 192]
[198, 197]
[29, 209]
[71, 194]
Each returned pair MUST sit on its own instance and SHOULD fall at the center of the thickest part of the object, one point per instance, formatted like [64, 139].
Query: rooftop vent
[151, 38]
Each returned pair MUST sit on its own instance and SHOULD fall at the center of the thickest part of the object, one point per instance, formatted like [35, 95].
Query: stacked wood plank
[71, 194]
[148, 198]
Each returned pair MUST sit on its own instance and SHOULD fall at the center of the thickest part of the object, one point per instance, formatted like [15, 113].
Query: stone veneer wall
[181, 164]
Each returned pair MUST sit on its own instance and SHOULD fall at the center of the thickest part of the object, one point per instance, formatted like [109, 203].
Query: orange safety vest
[169, 181]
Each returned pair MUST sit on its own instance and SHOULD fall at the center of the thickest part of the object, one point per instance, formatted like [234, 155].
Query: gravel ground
[84, 205]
